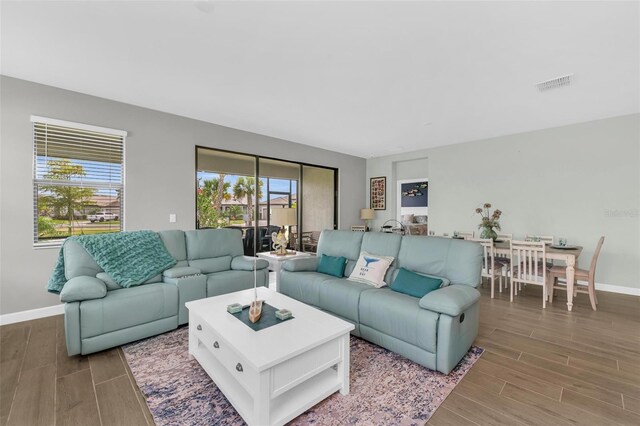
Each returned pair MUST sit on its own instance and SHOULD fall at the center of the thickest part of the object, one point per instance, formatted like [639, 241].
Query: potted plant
[490, 221]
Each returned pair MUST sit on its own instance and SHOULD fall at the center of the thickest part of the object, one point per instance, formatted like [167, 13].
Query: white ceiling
[363, 78]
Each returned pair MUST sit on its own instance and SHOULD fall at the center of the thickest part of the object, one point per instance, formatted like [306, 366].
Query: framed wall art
[378, 193]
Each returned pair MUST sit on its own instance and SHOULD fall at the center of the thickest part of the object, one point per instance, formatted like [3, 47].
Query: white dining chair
[505, 259]
[528, 266]
[491, 267]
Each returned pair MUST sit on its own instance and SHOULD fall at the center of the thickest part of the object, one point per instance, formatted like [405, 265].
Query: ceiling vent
[554, 83]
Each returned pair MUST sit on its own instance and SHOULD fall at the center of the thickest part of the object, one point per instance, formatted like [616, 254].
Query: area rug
[385, 388]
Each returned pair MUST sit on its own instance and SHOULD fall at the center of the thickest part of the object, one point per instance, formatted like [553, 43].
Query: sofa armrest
[308, 264]
[245, 263]
[190, 287]
[181, 271]
[83, 288]
[451, 300]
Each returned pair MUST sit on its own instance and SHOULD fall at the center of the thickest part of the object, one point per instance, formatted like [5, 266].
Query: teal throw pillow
[413, 284]
[332, 265]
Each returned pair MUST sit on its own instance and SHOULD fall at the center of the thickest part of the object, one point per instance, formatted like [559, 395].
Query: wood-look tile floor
[548, 367]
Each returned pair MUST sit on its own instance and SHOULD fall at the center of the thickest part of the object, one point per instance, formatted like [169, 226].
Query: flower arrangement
[490, 221]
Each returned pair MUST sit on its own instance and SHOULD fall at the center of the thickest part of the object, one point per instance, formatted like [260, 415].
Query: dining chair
[491, 267]
[547, 239]
[560, 272]
[505, 259]
[528, 266]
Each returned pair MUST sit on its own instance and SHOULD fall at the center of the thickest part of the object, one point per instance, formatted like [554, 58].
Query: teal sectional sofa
[435, 331]
[99, 314]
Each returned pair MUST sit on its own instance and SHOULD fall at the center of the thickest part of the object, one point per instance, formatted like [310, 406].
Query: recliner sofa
[99, 314]
[435, 331]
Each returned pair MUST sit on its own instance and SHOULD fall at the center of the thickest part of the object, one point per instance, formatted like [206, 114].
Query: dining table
[567, 254]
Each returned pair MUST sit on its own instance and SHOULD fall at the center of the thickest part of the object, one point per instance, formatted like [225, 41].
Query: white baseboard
[633, 291]
[32, 314]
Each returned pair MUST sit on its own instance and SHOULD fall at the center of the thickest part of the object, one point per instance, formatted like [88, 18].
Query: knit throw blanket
[130, 258]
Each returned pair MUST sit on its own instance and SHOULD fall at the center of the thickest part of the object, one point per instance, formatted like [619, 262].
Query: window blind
[78, 176]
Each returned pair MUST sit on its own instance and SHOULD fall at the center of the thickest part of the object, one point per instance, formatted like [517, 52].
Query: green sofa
[99, 314]
[435, 331]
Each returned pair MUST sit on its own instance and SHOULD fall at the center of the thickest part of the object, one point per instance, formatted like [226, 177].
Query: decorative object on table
[394, 226]
[282, 217]
[179, 391]
[234, 308]
[414, 194]
[283, 314]
[367, 215]
[268, 317]
[255, 308]
[378, 193]
[490, 221]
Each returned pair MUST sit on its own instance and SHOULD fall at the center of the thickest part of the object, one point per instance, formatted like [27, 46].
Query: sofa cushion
[78, 262]
[341, 297]
[83, 288]
[400, 316]
[332, 265]
[229, 281]
[413, 284]
[371, 269]
[246, 263]
[211, 243]
[303, 286]
[109, 282]
[113, 285]
[458, 260]
[175, 242]
[340, 243]
[214, 264]
[128, 307]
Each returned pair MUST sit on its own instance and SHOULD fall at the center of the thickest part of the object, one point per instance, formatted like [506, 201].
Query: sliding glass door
[261, 196]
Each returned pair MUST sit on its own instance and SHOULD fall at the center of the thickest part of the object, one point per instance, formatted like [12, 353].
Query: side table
[275, 261]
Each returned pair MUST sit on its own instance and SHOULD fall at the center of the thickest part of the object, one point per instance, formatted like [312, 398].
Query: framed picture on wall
[378, 193]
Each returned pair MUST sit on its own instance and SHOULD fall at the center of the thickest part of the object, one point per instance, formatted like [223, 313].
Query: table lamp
[367, 215]
[282, 217]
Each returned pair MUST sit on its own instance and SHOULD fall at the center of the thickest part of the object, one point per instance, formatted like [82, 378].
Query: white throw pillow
[370, 269]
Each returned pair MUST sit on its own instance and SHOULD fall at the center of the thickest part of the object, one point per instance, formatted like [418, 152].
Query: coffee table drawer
[233, 362]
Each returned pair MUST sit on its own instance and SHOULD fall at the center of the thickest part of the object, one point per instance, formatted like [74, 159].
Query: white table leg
[262, 400]
[571, 261]
[193, 340]
[276, 269]
[343, 366]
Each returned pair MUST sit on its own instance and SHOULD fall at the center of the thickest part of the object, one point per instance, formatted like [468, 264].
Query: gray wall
[160, 179]
[579, 181]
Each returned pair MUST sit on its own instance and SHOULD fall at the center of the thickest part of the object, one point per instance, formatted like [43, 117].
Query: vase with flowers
[490, 221]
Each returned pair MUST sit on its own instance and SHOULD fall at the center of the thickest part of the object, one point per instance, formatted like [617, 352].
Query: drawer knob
[239, 367]
[199, 327]
[216, 344]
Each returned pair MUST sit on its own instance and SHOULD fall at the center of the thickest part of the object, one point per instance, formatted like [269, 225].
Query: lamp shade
[283, 217]
[367, 214]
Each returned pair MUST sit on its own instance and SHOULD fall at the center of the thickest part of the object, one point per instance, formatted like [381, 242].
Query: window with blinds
[78, 180]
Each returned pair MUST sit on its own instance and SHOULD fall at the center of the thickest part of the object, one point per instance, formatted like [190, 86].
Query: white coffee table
[275, 261]
[273, 375]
